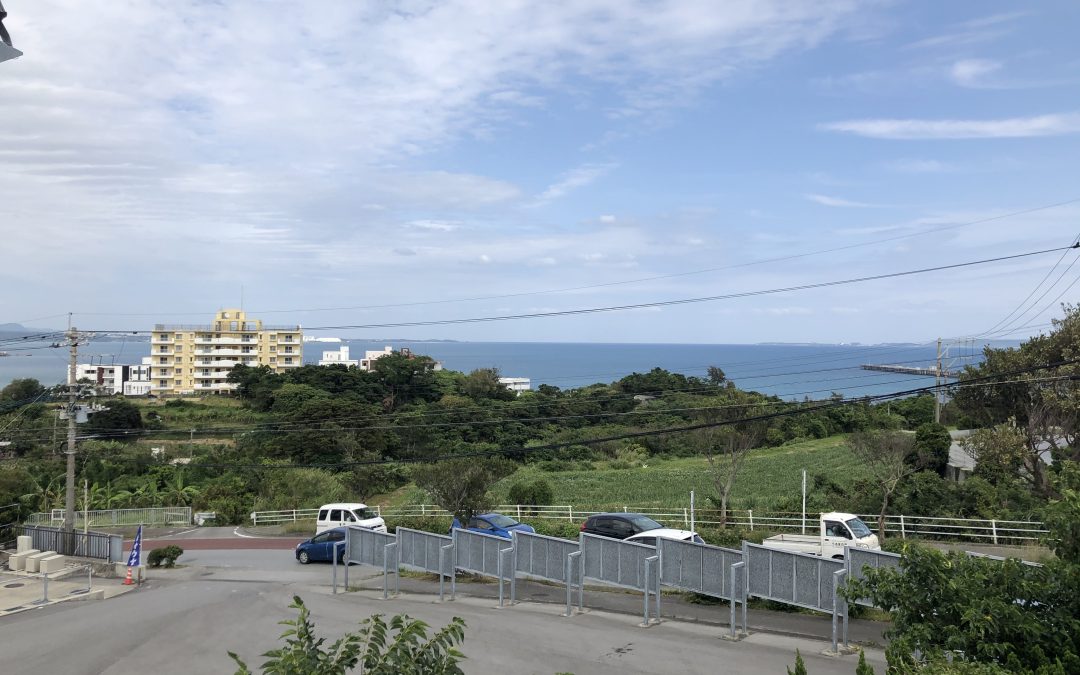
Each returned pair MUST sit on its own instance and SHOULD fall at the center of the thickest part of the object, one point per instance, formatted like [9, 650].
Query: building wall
[197, 359]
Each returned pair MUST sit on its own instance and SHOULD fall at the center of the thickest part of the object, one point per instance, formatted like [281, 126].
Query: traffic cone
[127, 580]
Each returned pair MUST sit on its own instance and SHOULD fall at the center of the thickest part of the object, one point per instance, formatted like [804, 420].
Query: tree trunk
[723, 509]
[881, 517]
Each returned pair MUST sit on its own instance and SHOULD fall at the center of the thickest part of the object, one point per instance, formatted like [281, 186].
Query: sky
[355, 163]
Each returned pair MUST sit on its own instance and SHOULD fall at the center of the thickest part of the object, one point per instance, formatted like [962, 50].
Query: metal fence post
[442, 551]
[571, 558]
[502, 552]
[334, 572]
[513, 568]
[750, 513]
[734, 597]
[385, 570]
[993, 530]
[648, 573]
[656, 586]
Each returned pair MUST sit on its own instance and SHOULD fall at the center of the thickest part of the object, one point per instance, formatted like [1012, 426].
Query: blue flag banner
[136, 550]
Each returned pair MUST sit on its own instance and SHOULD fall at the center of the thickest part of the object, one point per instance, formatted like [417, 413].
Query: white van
[337, 515]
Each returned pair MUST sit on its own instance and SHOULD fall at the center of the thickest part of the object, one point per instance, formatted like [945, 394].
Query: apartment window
[163, 349]
[178, 383]
[288, 338]
[179, 348]
[234, 326]
[162, 359]
[288, 359]
[163, 383]
[288, 350]
[273, 359]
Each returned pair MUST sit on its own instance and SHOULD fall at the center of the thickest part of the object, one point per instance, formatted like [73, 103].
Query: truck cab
[835, 532]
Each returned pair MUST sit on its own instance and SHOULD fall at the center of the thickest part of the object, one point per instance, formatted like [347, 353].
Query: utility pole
[69, 498]
[937, 385]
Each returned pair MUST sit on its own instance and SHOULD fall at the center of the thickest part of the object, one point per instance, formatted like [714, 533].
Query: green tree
[1063, 514]
[461, 486]
[483, 383]
[407, 378]
[932, 443]
[306, 488]
[1011, 614]
[531, 493]
[23, 390]
[999, 452]
[398, 647]
[886, 456]
[118, 418]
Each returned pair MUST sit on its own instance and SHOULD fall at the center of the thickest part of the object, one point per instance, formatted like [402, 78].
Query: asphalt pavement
[231, 596]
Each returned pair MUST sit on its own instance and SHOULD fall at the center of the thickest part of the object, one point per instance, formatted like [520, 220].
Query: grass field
[768, 476]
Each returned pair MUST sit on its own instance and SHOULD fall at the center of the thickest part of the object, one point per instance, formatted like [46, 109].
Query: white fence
[169, 515]
[968, 529]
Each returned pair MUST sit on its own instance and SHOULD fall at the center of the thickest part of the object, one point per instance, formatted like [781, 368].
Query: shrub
[165, 556]
[400, 646]
[436, 524]
[535, 493]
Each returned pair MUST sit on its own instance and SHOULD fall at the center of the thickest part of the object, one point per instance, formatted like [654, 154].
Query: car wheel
[303, 558]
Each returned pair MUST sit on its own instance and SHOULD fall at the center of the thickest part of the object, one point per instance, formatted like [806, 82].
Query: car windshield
[499, 520]
[643, 523]
[858, 528]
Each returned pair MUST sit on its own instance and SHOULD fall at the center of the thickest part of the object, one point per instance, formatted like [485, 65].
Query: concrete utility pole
[938, 381]
[69, 498]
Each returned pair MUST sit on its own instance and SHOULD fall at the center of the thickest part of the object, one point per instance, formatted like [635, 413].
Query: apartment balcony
[226, 341]
[205, 385]
[202, 374]
[223, 351]
[227, 363]
[158, 340]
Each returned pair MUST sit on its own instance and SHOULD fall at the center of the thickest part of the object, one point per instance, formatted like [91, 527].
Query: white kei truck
[835, 531]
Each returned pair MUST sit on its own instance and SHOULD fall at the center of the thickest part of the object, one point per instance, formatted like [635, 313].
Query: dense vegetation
[315, 434]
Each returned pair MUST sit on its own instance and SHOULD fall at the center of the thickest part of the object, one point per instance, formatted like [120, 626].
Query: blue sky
[157, 156]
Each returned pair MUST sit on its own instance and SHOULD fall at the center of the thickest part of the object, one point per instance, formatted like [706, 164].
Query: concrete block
[17, 561]
[24, 543]
[53, 563]
[33, 561]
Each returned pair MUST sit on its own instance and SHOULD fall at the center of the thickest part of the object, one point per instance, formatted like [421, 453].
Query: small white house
[516, 384]
[341, 356]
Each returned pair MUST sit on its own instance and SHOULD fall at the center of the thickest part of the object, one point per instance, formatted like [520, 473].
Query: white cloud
[919, 166]
[825, 200]
[433, 225]
[572, 180]
[972, 72]
[920, 129]
[607, 219]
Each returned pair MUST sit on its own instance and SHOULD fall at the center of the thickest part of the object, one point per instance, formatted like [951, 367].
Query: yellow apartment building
[197, 359]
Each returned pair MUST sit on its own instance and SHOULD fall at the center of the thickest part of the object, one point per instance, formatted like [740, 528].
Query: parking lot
[184, 621]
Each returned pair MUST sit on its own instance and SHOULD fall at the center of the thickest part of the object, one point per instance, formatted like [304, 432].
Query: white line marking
[236, 531]
[177, 534]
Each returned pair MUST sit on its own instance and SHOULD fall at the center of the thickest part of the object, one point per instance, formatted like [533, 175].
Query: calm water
[791, 371]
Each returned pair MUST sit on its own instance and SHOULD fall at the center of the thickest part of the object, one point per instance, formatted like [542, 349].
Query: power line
[685, 301]
[764, 261]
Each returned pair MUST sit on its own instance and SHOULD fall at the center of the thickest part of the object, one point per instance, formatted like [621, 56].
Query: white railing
[972, 529]
[168, 515]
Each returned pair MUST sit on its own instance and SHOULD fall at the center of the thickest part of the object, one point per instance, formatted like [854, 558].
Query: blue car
[493, 523]
[320, 548]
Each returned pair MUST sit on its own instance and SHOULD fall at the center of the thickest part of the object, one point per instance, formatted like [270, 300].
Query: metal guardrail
[969, 529]
[167, 515]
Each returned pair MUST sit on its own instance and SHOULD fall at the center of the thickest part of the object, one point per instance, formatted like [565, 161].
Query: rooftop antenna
[7, 50]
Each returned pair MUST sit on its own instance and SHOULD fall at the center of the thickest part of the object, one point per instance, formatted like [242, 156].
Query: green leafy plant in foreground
[378, 648]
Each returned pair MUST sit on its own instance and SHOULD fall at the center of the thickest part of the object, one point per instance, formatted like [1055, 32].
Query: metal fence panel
[699, 568]
[478, 553]
[84, 545]
[615, 562]
[858, 559]
[419, 550]
[366, 547]
[543, 557]
[169, 515]
[793, 578]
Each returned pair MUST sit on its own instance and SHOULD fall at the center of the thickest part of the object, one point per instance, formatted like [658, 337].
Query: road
[184, 621]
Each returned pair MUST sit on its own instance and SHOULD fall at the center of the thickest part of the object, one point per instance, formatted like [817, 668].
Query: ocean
[791, 371]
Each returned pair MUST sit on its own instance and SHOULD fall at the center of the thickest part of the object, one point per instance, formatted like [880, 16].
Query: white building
[370, 356]
[115, 378]
[341, 356]
[516, 384]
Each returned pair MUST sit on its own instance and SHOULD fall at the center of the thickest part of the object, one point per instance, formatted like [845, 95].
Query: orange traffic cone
[127, 580]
